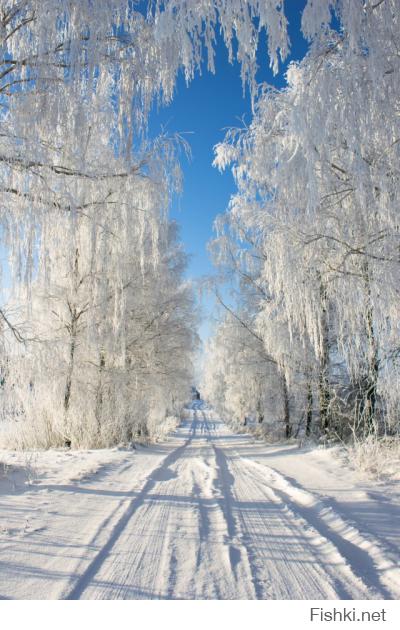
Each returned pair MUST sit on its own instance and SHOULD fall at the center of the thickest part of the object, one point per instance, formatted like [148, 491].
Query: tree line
[310, 242]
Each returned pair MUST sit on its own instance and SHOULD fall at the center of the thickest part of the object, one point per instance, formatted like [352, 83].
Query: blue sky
[202, 110]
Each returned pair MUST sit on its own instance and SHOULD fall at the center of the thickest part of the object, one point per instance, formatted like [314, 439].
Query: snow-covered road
[202, 516]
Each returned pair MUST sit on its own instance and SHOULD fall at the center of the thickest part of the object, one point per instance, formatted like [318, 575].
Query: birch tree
[316, 173]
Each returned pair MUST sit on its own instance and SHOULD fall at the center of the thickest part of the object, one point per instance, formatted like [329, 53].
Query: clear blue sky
[210, 104]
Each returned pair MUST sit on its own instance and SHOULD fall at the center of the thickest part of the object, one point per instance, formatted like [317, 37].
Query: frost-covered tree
[63, 65]
[111, 319]
[240, 378]
[69, 71]
[288, 364]
[317, 177]
[83, 199]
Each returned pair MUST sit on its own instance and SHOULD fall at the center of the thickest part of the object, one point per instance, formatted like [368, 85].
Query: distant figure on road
[195, 394]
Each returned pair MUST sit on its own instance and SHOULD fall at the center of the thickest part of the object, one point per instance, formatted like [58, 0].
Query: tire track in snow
[264, 586]
[209, 524]
[190, 553]
[370, 560]
[215, 574]
[158, 571]
[220, 570]
[95, 565]
[241, 552]
[356, 558]
[303, 563]
[282, 561]
[250, 524]
[225, 482]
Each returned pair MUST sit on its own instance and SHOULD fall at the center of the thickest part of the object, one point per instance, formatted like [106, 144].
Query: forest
[99, 320]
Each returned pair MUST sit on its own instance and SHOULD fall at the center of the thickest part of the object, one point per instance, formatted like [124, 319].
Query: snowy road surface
[208, 514]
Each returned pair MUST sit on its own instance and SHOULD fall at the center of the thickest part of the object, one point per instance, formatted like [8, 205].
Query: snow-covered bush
[377, 456]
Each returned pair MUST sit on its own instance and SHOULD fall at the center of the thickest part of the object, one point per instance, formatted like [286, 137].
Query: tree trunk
[99, 393]
[73, 331]
[323, 382]
[68, 384]
[324, 399]
[260, 415]
[371, 382]
[309, 409]
[286, 408]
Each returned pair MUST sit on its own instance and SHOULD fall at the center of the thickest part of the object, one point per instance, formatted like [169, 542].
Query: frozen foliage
[98, 329]
[378, 457]
[241, 378]
[317, 173]
[109, 356]
[98, 334]
[109, 323]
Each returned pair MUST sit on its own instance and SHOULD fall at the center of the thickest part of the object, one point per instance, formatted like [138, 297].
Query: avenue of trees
[97, 322]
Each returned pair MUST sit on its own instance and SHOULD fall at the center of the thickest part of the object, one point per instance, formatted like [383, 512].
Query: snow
[207, 514]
